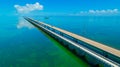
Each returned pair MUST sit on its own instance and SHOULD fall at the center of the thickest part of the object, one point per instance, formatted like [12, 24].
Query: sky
[72, 7]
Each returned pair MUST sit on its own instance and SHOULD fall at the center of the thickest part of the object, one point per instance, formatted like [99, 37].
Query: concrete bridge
[95, 53]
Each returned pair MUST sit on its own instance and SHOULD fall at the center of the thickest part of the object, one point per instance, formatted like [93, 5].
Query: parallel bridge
[94, 52]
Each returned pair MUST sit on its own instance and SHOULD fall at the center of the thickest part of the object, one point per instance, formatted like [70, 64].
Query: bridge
[95, 53]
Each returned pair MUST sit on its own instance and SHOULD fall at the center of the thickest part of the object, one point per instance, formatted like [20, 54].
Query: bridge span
[95, 53]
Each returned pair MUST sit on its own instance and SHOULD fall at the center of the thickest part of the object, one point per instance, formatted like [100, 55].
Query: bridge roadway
[91, 42]
[86, 40]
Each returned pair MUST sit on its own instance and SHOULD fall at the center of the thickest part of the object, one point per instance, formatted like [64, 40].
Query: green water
[68, 56]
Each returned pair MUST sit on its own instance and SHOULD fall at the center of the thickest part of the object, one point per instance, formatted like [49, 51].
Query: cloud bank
[28, 7]
[103, 12]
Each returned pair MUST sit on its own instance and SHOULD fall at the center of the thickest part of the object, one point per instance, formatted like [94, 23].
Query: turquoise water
[29, 47]
[24, 47]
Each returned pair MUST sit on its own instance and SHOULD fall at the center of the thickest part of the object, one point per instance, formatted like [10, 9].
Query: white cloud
[91, 11]
[24, 24]
[103, 11]
[28, 7]
[107, 12]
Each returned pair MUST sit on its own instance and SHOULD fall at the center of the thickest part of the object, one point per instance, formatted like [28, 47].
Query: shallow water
[32, 48]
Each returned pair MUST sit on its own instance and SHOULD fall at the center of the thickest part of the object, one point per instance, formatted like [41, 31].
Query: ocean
[22, 45]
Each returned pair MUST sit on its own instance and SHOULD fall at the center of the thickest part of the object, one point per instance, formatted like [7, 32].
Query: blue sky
[60, 6]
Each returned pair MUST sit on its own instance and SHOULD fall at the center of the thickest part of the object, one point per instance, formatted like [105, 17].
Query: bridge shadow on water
[66, 48]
